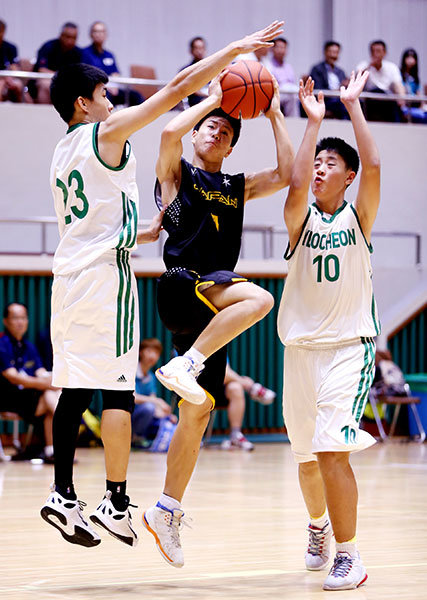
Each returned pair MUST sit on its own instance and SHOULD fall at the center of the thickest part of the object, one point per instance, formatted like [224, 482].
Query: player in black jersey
[200, 298]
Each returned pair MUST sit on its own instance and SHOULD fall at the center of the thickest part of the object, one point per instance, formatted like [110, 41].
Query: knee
[308, 469]
[328, 461]
[263, 303]
[193, 417]
[233, 389]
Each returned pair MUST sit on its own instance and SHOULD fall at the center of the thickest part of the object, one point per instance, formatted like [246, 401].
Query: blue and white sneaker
[66, 515]
[347, 573]
[319, 547]
[164, 525]
[117, 523]
[179, 375]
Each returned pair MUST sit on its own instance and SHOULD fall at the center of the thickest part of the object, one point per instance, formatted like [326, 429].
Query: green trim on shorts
[366, 378]
[119, 305]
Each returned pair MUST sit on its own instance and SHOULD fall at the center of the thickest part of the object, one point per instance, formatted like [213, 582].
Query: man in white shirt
[384, 78]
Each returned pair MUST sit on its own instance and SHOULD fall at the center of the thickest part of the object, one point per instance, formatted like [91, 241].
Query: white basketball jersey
[96, 205]
[328, 297]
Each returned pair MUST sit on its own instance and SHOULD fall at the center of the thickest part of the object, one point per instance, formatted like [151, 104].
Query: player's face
[213, 140]
[330, 175]
[99, 108]
[17, 321]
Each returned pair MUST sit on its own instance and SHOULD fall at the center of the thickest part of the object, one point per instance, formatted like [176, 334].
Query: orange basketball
[247, 89]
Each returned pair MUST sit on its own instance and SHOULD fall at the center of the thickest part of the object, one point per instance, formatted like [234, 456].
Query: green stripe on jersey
[374, 316]
[366, 378]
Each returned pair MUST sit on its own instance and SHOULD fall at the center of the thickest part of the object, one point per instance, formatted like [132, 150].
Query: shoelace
[342, 566]
[175, 523]
[316, 540]
[81, 504]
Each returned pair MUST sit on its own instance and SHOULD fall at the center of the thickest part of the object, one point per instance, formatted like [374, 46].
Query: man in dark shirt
[25, 385]
[327, 76]
[200, 298]
[53, 55]
[197, 47]
[11, 88]
[97, 56]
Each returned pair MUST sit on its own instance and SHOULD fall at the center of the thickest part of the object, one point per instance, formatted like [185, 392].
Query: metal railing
[267, 233]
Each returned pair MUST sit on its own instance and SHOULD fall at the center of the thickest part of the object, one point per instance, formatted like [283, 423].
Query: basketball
[247, 89]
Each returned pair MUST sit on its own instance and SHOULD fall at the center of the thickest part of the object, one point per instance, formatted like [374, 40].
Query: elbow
[169, 135]
[373, 167]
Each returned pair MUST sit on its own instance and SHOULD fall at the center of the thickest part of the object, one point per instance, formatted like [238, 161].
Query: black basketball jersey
[204, 221]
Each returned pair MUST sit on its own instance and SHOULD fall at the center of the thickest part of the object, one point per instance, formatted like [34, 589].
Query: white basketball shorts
[95, 325]
[324, 396]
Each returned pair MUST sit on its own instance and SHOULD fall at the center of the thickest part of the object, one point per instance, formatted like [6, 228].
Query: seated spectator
[327, 76]
[197, 47]
[11, 88]
[411, 82]
[384, 78]
[149, 408]
[50, 57]
[96, 55]
[25, 385]
[284, 74]
[235, 386]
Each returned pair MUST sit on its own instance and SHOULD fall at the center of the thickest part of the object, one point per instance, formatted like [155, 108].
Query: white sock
[320, 522]
[197, 357]
[169, 502]
[349, 547]
[48, 450]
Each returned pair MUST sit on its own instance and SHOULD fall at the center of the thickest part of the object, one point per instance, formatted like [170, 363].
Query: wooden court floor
[248, 537]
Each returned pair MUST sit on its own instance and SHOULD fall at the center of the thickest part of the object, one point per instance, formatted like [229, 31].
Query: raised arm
[368, 196]
[168, 167]
[269, 181]
[120, 125]
[296, 203]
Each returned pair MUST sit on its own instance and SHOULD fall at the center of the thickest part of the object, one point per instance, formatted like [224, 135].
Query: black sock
[66, 490]
[118, 494]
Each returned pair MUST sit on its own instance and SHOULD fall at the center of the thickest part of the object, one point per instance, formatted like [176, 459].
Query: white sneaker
[66, 516]
[164, 524]
[179, 375]
[318, 551]
[239, 443]
[347, 573]
[117, 523]
[261, 394]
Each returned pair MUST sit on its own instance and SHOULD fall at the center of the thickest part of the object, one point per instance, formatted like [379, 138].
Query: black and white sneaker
[117, 523]
[66, 516]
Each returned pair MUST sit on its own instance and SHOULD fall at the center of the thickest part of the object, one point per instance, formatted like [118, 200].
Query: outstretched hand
[275, 102]
[354, 88]
[215, 89]
[314, 109]
[262, 38]
[151, 234]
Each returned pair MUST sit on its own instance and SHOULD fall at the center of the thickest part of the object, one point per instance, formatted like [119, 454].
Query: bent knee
[263, 303]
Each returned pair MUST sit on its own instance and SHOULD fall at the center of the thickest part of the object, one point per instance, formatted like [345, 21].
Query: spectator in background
[11, 88]
[327, 76]
[284, 74]
[149, 408]
[384, 78]
[197, 47]
[260, 55]
[235, 386]
[25, 385]
[411, 83]
[96, 55]
[53, 55]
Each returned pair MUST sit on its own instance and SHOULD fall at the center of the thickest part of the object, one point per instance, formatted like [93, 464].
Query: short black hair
[347, 152]
[378, 43]
[280, 39]
[196, 39]
[69, 24]
[236, 124]
[6, 308]
[330, 43]
[73, 81]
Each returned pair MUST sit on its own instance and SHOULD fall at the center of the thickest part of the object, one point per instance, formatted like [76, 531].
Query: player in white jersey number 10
[327, 321]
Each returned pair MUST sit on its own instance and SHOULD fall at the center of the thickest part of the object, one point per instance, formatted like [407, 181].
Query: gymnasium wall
[157, 33]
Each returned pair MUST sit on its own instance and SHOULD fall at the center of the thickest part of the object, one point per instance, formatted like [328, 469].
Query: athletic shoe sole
[158, 544]
[350, 587]
[129, 540]
[167, 381]
[80, 537]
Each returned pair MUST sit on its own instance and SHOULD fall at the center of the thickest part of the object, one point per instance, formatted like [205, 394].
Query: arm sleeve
[5, 358]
